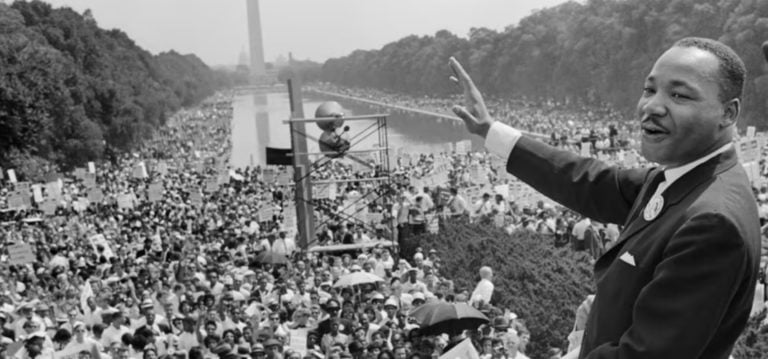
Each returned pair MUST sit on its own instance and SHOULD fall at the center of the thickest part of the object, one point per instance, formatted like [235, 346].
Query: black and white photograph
[383, 179]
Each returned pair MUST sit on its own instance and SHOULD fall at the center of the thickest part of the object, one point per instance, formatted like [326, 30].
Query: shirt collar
[673, 174]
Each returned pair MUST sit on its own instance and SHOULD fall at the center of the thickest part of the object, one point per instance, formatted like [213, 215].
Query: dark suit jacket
[690, 291]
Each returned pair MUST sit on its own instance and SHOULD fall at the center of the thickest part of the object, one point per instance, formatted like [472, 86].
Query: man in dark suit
[679, 282]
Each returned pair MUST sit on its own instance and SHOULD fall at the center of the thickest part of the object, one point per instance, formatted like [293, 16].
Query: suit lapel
[672, 195]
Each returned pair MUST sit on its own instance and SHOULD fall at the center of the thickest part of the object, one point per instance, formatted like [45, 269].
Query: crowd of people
[168, 252]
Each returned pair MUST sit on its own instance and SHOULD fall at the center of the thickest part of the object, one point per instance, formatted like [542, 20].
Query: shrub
[542, 284]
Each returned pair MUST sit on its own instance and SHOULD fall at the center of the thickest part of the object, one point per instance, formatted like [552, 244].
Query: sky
[217, 30]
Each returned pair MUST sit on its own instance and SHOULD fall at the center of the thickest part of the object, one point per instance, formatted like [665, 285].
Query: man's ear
[731, 112]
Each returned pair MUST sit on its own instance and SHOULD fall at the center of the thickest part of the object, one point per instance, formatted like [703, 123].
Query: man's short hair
[731, 70]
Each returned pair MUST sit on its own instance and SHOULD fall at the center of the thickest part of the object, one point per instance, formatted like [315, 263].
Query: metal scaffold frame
[304, 167]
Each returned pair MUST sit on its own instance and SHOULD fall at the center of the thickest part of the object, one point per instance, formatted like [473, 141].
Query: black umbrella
[441, 317]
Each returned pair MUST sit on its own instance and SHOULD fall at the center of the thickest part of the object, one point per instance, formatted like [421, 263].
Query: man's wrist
[500, 139]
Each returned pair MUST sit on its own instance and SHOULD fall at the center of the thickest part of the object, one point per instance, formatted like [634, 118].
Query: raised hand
[474, 113]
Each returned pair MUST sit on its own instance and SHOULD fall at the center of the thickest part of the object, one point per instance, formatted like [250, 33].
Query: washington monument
[254, 36]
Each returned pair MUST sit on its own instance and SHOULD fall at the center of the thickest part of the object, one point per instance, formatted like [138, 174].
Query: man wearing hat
[25, 314]
[333, 308]
[334, 336]
[149, 318]
[274, 348]
[257, 351]
[189, 337]
[34, 348]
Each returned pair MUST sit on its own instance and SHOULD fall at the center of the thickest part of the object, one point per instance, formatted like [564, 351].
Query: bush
[753, 342]
[542, 284]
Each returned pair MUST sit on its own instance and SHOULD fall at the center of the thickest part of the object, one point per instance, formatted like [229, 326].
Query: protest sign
[12, 176]
[155, 192]
[586, 149]
[100, 245]
[124, 201]
[20, 254]
[89, 180]
[432, 224]
[49, 207]
[211, 185]
[196, 198]
[162, 168]
[22, 187]
[268, 175]
[79, 173]
[284, 179]
[95, 195]
[464, 350]
[16, 201]
[91, 167]
[299, 340]
[140, 170]
[37, 193]
[462, 147]
[266, 213]
[749, 150]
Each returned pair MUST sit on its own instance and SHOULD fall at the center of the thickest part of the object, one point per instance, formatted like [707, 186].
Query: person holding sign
[679, 281]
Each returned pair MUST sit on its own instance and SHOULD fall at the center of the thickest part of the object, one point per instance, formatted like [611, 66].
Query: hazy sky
[216, 30]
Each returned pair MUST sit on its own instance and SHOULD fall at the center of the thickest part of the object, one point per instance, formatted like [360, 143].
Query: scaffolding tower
[305, 166]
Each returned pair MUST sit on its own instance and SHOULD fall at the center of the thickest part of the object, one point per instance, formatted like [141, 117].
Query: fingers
[467, 117]
[459, 72]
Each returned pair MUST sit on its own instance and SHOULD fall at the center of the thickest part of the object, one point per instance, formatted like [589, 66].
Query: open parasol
[451, 318]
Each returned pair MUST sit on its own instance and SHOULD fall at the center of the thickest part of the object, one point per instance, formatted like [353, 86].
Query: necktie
[656, 202]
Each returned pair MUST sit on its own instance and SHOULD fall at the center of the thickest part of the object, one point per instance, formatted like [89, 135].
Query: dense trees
[596, 52]
[70, 89]
[540, 283]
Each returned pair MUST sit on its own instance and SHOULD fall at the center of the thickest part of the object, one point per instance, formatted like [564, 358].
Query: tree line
[71, 92]
[595, 53]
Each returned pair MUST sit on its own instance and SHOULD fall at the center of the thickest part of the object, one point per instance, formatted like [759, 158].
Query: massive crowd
[168, 252]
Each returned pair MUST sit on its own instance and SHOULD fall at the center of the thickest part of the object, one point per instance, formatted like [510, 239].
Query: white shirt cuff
[501, 139]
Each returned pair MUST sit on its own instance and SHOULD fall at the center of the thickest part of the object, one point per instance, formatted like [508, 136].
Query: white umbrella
[357, 278]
